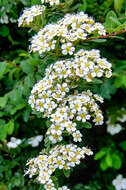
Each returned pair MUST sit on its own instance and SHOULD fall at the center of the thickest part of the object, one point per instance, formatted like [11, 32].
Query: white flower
[77, 136]
[114, 128]
[34, 141]
[67, 49]
[119, 182]
[122, 119]
[14, 142]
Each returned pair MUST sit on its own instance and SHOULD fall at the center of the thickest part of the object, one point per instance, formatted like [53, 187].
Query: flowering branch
[105, 36]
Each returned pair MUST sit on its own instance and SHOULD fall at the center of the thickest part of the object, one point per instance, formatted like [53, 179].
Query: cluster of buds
[59, 157]
[66, 32]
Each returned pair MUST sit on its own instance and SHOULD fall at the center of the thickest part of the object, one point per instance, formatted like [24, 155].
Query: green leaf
[4, 31]
[83, 6]
[116, 161]
[10, 127]
[66, 173]
[120, 27]
[3, 101]
[3, 132]
[2, 113]
[41, 187]
[70, 2]
[120, 81]
[111, 21]
[100, 154]
[87, 125]
[118, 5]
[16, 97]
[108, 160]
[3, 69]
[123, 145]
[99, 40]
[34, 2]
[26, 67]
[26, 113]
[103, 165]
[107, 89]
[26, 2]
[16, 108]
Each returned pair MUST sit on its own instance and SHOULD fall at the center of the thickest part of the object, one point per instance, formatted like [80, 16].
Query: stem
[105, 36]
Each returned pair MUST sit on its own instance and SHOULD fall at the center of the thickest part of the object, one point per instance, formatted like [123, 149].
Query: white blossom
[14, 142]
[119, 182]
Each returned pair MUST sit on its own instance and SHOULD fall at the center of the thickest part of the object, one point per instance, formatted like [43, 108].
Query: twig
[105, 36]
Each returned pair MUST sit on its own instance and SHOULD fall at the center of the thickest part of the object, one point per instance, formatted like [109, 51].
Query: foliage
[20, 70]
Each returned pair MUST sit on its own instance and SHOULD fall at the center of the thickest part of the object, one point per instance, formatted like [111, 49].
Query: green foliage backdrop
[20, 70]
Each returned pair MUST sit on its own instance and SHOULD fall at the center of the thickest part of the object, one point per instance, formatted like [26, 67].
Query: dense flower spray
[57, 96]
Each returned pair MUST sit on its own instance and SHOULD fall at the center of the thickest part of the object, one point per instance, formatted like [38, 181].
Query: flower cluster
[51, 2]
[70, 29]
[59, 157]
[29, 14]
[119, 183]
[52, 95]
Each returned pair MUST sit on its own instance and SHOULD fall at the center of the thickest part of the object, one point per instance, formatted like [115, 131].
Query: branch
[105, 36]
